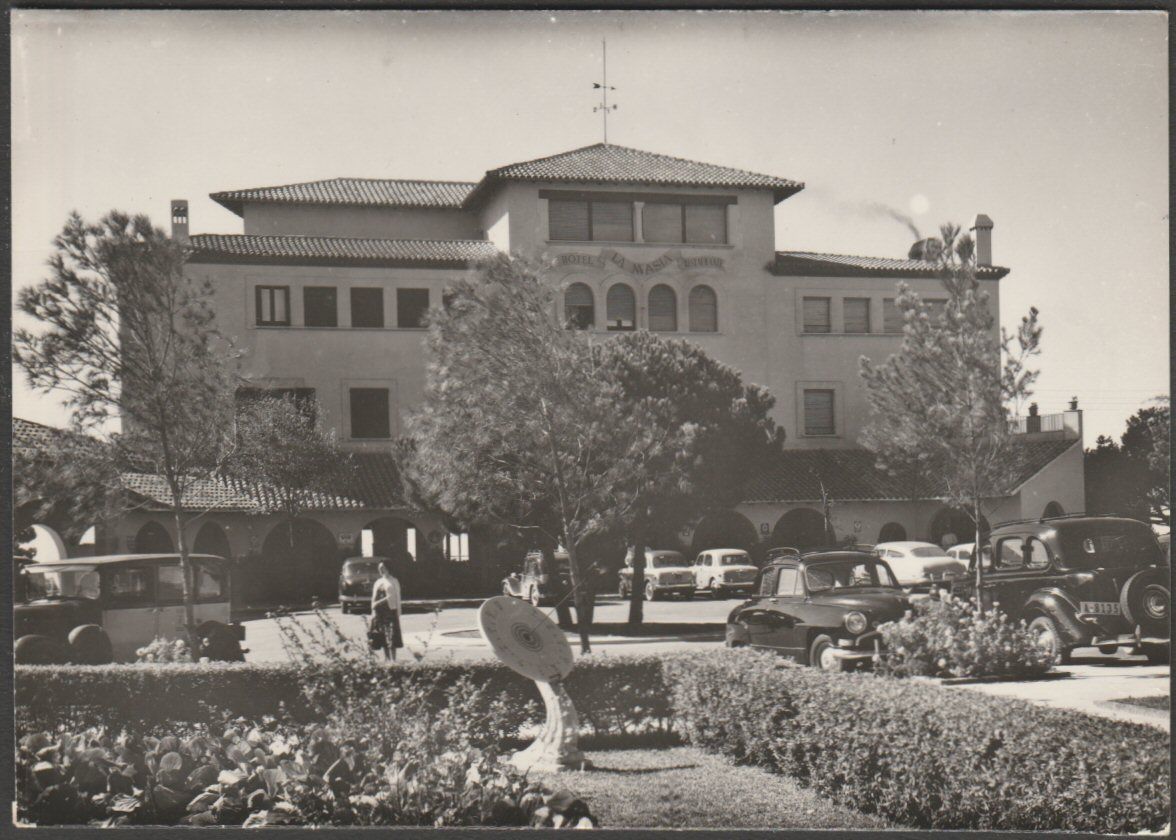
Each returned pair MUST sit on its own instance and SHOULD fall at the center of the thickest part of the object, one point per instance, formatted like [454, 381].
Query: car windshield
[927, 551]
[662, 561]
[736, 560]
[1090, 545]
[65, 582]
[846, 574]
[365, 569]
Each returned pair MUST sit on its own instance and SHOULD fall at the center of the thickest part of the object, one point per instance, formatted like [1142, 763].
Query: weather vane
[603, 87]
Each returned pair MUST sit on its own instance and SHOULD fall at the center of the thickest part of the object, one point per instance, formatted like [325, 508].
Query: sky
[1053, 124]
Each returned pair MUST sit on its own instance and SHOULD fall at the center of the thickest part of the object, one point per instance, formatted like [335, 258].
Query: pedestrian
[386, 610]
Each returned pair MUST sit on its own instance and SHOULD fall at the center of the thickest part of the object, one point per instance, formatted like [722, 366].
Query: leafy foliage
[1131, 478]
[948, 637]
[923, 755]
[164, 650]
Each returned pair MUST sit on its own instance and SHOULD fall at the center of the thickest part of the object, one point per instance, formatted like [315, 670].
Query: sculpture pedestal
[557, 747]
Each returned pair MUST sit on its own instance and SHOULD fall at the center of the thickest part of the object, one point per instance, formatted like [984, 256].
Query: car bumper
[745, 586]
[864, 648]
[680, 588]
[352, 600]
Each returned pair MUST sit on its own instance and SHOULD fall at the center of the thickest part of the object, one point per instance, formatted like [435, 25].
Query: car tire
[1157, 654]
[820, 654]
[219, 643]
[35, 649]
[650, 592]
[1146, 601]
[89, 645]
[621, 591]
[535, 599]
[714, 591]
[1046, 631]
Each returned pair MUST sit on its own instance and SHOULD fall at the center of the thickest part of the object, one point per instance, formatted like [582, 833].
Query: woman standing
[386, 610]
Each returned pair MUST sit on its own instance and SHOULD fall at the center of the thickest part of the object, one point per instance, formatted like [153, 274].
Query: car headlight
[856, 623]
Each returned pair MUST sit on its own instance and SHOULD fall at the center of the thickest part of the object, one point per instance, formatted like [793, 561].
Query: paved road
[451, 634]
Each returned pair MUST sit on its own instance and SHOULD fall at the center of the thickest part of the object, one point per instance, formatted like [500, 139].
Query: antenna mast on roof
[603, 87]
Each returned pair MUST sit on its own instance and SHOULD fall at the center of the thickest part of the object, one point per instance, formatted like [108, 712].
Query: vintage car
[542, 580]
[919, 565]
[355, 583]
[720, 571]
[962, 552]
[822, 608]
[666, 573]
[1080, 581]
[95, 610]
[780, 551]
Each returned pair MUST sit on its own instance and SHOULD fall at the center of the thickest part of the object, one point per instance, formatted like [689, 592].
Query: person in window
[386, 610]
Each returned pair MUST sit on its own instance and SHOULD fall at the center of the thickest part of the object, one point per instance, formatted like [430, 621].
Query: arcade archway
[803, 529]
[952, 526]
[724, 529]
[211, 539]
[299, 560]
[1053, 509]
[892, 532]
[153, 538]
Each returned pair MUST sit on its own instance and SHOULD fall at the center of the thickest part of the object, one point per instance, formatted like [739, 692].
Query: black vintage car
[356, 578]
[822, 608]
[1080, 581]
[543, 580]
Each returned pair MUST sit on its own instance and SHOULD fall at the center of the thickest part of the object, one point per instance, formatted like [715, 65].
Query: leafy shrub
[164, 650]
[946, 637]
[922, 754]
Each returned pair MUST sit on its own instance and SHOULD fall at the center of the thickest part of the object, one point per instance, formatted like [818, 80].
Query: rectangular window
[891, 317]
[457, 548]
[662, 222]
[818, 412]
[171, 585]
[706, 224]
[816, 315]
[583, 221]
[612, 221]
[367, 307]
[369, 413]
[702, 224]
[857, 315]
[411, 306]
[131, 585]
[319, 306]
[786, 584]
[768, 582]
[211, 583]
[272, 306]
[568, 220]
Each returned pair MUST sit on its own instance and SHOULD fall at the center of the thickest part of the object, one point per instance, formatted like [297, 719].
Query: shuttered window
[320, 306]
[661, 222]
[891, 317]
[857, 315]
[367, 307]
[704, 310]
[369, 413]
[816, 315]
[818, 412]
[621, 308]
[612, 221]
[706, 223]
[579, 307]
[568, 220]
[411, 307]
[663, 309]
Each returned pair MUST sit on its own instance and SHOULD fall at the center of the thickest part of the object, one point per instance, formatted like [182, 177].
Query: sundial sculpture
[531, 644]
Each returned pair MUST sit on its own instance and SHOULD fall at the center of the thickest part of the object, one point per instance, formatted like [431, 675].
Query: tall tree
[127, 336]
[1131, 478]
[940, 405]
[714, 430]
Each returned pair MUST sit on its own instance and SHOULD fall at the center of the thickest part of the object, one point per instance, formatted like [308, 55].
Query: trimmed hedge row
[614, 697]
[923, 755]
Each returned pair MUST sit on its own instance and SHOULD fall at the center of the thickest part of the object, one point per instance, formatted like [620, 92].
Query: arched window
[621, 308]
[1053, 509]
[704, 310]
[663, 309]
[892, 532]
[579, 307]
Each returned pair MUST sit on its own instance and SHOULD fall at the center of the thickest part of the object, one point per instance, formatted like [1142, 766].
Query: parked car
[720, 571]
[542, 580]
[1081, 581]
[961, 552]
[355, 583]
[917, 565]
[95, 610]
[821, 608]
[666, 573]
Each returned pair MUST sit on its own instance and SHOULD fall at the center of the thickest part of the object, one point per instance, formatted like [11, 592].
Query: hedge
[614, 697]
[923, 755]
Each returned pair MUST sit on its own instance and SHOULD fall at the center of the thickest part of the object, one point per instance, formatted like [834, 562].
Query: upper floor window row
[603, 220]
[320, 307]
[817, 315]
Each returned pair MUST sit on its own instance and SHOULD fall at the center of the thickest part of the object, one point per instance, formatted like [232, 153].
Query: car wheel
[1146, 601]
[713, 590]
[1156, 654]
[219, 643]
[1046, 632]
[535, 599]
[35, 649]
[89, 645]
[622, 591]
[650, 592]
[821, 654]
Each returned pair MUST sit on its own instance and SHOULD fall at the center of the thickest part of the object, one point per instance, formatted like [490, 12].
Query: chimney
[179, 220]
[982, 233]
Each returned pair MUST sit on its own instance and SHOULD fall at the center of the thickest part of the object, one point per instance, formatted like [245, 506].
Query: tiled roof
[808, 263]
[360, 192]
[796, 475]
[607, 163]
[215, 247]
[29, 435]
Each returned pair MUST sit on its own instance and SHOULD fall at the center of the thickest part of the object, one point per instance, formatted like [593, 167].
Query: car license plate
[1101, 608]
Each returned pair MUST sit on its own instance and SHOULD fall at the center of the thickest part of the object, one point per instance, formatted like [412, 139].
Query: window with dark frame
[411, 307]
[673, 222]
[367, 307]
[370, 418]
[703, 307]
[818, 412]
[663, 309]
[590, 221]
[817, 317]
[320, 306]
[272, 306]
[856, 312]
[621, 307]
[891, 316]
[579, 307]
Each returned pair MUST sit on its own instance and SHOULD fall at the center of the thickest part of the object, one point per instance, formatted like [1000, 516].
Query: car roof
[730, 550]
[111, 559]
[827, 554]
[906, 544]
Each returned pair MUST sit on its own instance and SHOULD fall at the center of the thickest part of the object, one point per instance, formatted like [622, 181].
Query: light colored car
[719, 571]
[961, 552]
[916, 565]
[666, 573]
